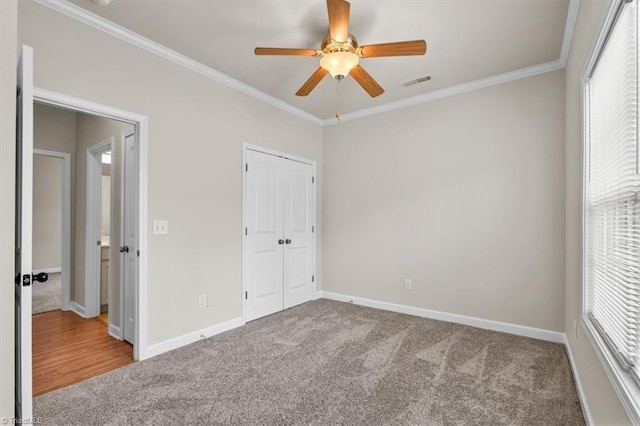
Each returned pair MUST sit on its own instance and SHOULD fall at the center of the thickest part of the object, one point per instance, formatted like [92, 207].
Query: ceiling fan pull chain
[338, 116]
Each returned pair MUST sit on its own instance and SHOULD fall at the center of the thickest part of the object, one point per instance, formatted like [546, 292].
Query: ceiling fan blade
[401, 48]
[312, 82]
[366, 81]
[338, 19]
[285, 51]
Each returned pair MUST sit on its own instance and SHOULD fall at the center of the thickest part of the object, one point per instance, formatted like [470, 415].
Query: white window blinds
[612, 192]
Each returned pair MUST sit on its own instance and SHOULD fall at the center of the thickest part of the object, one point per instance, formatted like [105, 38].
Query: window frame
[622, 380]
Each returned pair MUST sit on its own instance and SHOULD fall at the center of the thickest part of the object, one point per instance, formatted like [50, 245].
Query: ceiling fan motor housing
[329, 46]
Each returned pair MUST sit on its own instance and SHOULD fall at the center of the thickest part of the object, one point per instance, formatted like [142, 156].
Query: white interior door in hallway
[279, 243]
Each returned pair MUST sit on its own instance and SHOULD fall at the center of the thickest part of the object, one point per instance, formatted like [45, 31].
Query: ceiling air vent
[416, 81]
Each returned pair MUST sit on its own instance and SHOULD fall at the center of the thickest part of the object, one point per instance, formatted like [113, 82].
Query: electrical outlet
[160, 227]
[408, 285]
[202, 301]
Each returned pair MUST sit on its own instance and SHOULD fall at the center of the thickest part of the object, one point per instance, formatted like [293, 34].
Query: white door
[279, 250]
[264, 237]
[24, 201]
[298, 232]
[130, 240]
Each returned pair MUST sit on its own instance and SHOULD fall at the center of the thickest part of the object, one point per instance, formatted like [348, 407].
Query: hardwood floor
[68, 349]
[104, 318]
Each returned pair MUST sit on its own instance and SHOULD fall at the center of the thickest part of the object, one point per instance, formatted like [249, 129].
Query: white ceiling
[467, 40]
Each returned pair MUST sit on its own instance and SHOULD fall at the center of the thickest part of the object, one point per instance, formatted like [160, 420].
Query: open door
[129, 264]
[24, 201]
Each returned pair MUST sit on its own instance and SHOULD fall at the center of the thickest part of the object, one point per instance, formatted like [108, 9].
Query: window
[612, 201]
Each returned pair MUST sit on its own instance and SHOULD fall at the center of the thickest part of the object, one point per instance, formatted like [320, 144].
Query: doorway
[111, 236]
[94, 322]
[279, 195]
[51, 230]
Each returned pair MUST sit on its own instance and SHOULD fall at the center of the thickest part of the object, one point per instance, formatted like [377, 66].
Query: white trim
[93, 219]
[141, 124]
[627, 390]
[78, 309]
[142, 129]
[569, 29]
[115, 332]
[450, 91]
[82, 15]
[503, 327]
[275, 153]
[71, 103]
[194, 336]
[65, 268]
[48, 270]
[245, 147]
[581, 395]
[243, 270]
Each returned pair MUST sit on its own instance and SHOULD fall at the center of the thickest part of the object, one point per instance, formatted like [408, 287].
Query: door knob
[280, 241]
[41, 277]
[288, 241]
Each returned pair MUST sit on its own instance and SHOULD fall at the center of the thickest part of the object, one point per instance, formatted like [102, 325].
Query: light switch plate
[160, 227]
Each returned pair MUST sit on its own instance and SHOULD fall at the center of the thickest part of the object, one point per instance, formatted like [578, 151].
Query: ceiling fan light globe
[339, 63]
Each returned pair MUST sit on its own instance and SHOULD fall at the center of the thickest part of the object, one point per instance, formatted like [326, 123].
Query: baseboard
[194, 336]
[520, 330]
[581, 395]
[78, 309]
[115, 332]
[47, 270]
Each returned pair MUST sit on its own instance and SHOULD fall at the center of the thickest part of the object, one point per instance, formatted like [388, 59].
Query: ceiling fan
[340, 52]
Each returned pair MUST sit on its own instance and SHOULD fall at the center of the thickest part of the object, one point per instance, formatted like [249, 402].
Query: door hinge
[313, 229]
[138, 253]
[313, 278]
[18, 91]
[99, 242]
[246, 231]
[246, 167]
[313, 179]
[246, 295]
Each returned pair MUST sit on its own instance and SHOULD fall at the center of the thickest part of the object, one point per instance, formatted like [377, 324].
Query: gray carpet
[47, 296]
[331, 363]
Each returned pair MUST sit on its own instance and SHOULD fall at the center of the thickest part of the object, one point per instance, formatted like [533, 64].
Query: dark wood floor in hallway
[68, 349]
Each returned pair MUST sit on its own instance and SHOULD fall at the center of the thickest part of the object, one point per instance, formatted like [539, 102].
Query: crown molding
[82, 15]
[451, 91]
[569, 29]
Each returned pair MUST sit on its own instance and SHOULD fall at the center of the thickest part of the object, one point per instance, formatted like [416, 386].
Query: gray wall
[463, 195]
[196, 130]
[47, 212]
[603, 400]
[8, 55]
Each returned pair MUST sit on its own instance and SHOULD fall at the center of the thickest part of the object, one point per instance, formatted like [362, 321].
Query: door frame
[141, 125]
[92, 225]
[250, 147]
[65, 273]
